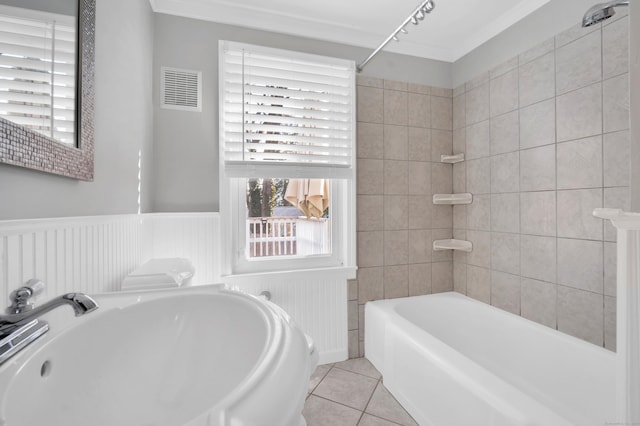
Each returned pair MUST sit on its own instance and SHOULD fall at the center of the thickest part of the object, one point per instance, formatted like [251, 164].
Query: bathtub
[453, 361]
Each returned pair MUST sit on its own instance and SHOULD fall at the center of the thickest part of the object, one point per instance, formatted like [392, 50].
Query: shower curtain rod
[418, 14]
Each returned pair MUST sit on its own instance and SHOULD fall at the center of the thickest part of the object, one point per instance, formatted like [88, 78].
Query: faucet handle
[20, 298]
[36, 286]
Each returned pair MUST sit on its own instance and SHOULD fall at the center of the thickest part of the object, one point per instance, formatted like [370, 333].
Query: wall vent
[181, 89]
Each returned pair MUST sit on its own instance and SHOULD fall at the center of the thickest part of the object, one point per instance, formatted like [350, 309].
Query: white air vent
[181, 89]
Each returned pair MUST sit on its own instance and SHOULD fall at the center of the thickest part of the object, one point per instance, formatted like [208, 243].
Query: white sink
[199, 356]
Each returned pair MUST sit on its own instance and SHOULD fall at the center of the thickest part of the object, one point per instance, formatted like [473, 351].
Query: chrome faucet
[21, 325]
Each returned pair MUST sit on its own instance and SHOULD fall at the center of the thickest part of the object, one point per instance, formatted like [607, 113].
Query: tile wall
[402, 131]
[546, 141]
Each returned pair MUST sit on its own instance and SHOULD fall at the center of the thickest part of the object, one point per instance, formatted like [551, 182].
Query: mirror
[46, 86]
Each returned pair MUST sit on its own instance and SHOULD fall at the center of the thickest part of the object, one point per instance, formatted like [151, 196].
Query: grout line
[369, 400]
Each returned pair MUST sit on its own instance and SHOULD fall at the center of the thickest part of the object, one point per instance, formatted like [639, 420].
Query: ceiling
[453, 29]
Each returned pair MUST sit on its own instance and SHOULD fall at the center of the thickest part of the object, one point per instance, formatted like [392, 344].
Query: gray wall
[123, 127]
[549, 20]
[186, 143]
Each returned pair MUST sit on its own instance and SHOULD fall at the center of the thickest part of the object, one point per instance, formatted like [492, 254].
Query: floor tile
[320, 412]
[360, 366]
[369, 420]
[318, 375]
[351, 389]
[384, 405]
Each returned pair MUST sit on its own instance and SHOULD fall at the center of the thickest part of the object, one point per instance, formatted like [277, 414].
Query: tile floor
[351, 393]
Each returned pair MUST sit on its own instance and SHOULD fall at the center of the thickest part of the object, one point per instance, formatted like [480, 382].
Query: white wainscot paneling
[315, 299]
[93, 254]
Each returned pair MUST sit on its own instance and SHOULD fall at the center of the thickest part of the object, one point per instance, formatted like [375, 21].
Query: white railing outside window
[287, 236]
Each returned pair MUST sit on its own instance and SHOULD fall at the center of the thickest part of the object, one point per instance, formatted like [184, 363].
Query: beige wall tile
[364, 80]
[420, 212]
[538, 302]
[616, 159]
[419, 279]
[370, 140]
[538, 169]
[460, 278]
[580, 264]
[419, 110]
[395, 107]
[395, 85]
[616, 103]
[396, 177]
[479, 213]
[505, 292]
[581, 314]
[615, 198]
[537, 51]
[396, 281]
[477, 104]
[538, 257]
[419, 144]
[419, 178]
[441, 178]
[370, 104]
[370, 284]
[370, 177]
[505, 133]
[370, 212]
[538, 213]
[577, 65]
[444, 255]
[505, 252]
[538, 124]
[420, 249]
[580, 163]
[441, 277]
[579, 113]
[459, 111]
[441, 113]
[479, 176]
[505, 173]
[503, 93]
[610, 269]
[537, 80]
[610, 323]
[396, 142]
[441, 144]
[574, 33]
[615, 48]
[479, 283]
[575, 218]
[505, 213]
[396, 247]
[481, 253]
[395, 212]
[478, 142]
[370, 245]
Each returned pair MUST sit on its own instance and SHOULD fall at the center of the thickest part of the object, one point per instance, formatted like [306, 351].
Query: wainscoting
[93, 254]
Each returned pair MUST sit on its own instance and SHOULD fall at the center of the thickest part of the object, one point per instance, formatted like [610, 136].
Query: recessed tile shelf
[464, 198]
[452, 159]
[439, 245]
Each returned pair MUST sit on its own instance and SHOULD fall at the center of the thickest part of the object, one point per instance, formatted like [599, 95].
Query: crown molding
[232, 13]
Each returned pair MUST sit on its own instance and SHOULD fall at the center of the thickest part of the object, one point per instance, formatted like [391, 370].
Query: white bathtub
[454, 361]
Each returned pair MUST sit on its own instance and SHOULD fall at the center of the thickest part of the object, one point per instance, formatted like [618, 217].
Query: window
[287, 217]
[37, 71]
[291, 115]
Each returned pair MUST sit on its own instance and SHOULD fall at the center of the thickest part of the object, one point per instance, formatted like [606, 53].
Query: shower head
[601, 11]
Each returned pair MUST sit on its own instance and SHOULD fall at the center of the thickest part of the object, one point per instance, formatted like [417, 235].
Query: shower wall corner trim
[628, 313]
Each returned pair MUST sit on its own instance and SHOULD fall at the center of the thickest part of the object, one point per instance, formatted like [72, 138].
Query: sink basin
[199, 356]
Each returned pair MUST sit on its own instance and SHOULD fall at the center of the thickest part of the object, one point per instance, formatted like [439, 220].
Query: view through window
[287, 217]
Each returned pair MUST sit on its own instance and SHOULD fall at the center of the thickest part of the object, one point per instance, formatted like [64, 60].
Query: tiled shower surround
[402, 131]
[546, 140]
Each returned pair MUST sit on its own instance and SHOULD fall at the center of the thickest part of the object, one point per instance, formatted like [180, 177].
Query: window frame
[232, 194]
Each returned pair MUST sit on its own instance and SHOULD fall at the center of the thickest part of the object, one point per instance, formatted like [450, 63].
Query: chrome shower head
[601, 11]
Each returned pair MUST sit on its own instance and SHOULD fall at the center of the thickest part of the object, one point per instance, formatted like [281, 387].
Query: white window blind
[285, 113]
[37, 71]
